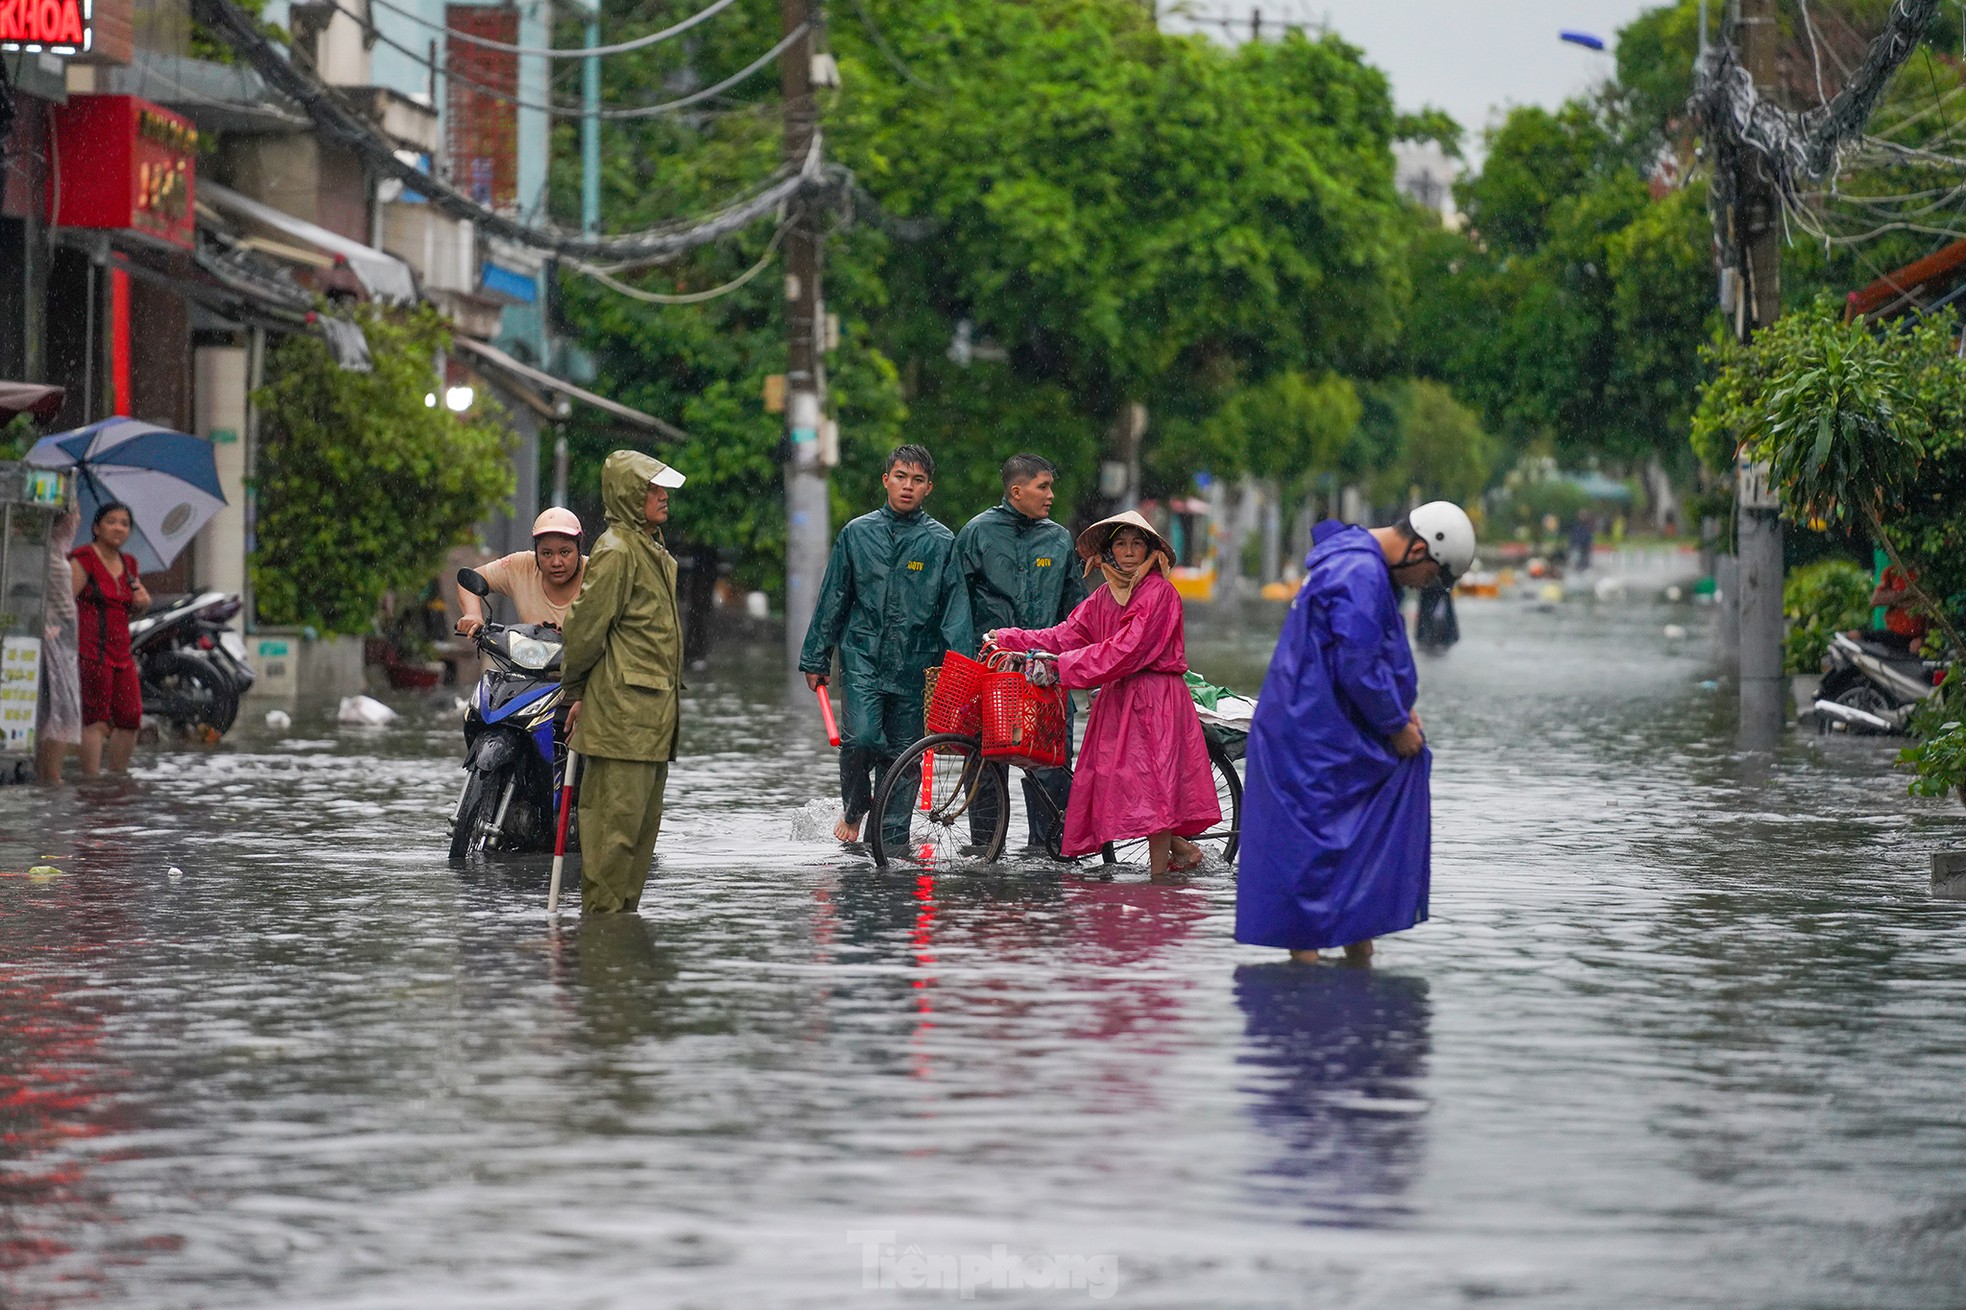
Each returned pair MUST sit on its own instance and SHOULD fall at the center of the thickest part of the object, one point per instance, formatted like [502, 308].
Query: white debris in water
[1610, 589]
[1675, 633]
[1673, 594]
[175, 874]
[816, 819]
[364, 711]
[279, 720]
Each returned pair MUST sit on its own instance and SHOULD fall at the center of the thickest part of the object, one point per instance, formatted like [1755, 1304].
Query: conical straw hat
[1093, 540]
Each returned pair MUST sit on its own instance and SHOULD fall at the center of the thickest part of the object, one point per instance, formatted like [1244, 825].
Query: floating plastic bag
[364, 711]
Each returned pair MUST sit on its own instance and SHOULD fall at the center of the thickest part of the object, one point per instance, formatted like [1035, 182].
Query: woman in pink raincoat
[1143, 770]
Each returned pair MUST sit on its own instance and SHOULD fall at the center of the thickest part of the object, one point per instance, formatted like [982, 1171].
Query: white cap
[668, 477]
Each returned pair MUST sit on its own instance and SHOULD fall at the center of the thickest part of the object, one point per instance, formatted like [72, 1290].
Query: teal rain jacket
[1022, 572]
[892, 602]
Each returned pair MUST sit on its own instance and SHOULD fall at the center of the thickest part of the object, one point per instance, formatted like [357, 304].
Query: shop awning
[1905, 288]
[541, 380]
[17, 398]
[383, 276]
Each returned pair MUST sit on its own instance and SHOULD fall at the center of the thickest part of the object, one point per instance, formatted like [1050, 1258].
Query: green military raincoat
[1022, 572]
[893, 601]
[623, 653]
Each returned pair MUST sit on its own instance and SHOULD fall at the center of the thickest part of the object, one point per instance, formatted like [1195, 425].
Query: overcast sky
[1468, 57]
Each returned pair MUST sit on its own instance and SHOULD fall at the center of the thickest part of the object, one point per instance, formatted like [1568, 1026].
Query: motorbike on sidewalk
[1873, 688]
[514, 746]
[192, 665]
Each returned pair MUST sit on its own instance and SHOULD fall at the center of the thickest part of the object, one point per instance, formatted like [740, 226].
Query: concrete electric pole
[808, 530]
[1757, 229]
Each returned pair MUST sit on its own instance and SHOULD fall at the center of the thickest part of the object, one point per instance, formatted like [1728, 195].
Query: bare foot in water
[1183, 856]
[846, 831]
[1359, 952]
[1306, 957]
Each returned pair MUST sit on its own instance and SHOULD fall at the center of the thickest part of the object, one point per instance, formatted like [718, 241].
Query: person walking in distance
[1337, 826]
[107, 593]
[1021, 570]
[621, 668]
[892, 602]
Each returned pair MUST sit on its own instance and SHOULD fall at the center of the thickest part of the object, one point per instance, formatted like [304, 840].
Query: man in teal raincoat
[892, 602]
[1022, 570]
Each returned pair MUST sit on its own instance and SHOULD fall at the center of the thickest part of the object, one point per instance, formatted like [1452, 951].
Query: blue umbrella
[168, 479]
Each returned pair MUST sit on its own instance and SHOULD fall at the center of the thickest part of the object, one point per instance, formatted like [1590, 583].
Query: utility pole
[808, 530]
[1757, 507]
[590, 198]
[590, 127]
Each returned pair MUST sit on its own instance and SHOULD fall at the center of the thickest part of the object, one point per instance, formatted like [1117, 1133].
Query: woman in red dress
[107, 592]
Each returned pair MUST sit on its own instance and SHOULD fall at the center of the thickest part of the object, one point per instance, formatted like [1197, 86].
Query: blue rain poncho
[1336, 828]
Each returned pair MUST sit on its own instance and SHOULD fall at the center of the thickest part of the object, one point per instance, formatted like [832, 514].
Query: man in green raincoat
[892, 602]
[621, 668]
[1022, 570]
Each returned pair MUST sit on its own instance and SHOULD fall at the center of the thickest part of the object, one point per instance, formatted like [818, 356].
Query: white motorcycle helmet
[1449, 536]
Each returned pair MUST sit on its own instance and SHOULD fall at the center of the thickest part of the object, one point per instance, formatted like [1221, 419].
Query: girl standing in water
[1143, 770]
[60, 722]
[107, 592]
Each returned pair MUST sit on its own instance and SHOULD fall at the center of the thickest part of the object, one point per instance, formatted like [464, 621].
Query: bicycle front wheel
[941, 803]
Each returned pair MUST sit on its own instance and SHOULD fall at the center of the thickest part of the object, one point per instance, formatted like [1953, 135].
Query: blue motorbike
[514, 745]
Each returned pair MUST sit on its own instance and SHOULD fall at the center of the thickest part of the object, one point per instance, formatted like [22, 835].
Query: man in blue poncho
[1336, 819]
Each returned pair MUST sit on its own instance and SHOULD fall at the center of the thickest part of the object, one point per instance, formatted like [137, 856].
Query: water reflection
[1118, 926]
[1335, 1062]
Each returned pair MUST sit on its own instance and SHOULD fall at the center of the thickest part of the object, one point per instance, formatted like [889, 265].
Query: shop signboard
[54, 27]
[141, 165]
[20, 690]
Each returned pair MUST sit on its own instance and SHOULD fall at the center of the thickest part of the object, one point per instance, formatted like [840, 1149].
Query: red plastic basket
[955, 696]
[1022, 724]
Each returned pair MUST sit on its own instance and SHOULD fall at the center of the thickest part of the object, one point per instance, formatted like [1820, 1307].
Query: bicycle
[951, 790]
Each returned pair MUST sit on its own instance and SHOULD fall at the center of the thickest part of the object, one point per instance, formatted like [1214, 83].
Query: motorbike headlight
[529, 652]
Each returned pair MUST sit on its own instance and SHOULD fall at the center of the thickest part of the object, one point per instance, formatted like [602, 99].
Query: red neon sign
[60, 27]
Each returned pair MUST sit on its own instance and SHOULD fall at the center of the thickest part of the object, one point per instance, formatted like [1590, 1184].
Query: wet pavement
[1685, 1030]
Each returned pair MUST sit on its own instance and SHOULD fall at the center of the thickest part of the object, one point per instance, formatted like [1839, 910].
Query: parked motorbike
[1869, 687]
[514, 751]
[192, 665]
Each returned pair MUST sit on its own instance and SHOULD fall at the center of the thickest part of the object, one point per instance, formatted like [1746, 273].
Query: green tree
[363, 482]
[1131, 216]
[1120, 215]
[1862, 427]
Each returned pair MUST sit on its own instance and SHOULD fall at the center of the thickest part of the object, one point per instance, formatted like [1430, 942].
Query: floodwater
[1685, 1030]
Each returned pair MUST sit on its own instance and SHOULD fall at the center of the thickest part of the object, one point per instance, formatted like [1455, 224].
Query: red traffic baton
[826, 715]
[560, 840]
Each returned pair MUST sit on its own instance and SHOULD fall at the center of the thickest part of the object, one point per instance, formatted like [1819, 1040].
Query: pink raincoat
[1144, 766]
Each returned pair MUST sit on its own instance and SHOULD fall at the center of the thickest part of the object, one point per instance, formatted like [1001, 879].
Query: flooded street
[1685, 1030]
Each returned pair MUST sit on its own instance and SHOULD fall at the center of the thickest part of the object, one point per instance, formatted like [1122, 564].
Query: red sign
[124, 164]
[61, 27]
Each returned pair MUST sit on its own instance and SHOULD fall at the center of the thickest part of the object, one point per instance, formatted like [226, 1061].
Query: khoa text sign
[59, 27]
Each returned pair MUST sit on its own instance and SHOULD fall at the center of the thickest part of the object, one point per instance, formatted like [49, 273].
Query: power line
[563, 52]
[558, 110]
[879, 39]
[1737, 122]
[605, 278]
[340, 124]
